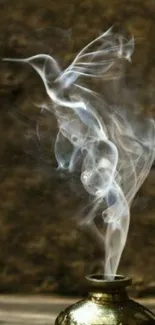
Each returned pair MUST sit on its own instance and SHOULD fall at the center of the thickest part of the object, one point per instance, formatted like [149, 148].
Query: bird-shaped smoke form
[115, 145]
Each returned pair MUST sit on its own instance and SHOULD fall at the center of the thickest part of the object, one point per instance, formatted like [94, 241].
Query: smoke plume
[110, 141]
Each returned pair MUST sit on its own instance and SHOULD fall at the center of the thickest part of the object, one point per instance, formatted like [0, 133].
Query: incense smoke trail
[114, 144]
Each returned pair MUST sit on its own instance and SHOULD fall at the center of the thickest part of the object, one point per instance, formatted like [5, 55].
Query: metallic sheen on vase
[106, 304]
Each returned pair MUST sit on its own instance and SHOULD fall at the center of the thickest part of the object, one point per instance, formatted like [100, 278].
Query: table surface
[40, 310]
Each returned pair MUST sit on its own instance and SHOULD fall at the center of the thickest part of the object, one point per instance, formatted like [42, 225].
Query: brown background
[40, 248]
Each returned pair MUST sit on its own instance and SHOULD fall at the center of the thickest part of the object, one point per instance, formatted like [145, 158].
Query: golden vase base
[107, 303]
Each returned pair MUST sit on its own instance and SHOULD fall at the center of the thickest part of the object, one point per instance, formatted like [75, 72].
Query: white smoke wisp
[115, 145]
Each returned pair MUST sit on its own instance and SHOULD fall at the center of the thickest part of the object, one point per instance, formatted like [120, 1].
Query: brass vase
[106, 304]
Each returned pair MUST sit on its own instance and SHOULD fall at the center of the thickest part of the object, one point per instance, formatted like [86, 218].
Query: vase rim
[108, 281]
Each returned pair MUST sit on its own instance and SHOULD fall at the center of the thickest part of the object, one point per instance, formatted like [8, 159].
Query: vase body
[106, 304]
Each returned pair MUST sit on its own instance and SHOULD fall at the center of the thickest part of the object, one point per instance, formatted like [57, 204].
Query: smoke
[110, 142]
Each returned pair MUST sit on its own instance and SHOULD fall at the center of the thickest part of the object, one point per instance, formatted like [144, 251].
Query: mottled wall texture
[41, 248]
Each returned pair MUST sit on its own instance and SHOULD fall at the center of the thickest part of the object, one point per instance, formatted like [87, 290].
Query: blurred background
[41, 248]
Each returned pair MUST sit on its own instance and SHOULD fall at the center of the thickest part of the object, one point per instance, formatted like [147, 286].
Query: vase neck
[113, 296]
[101, 290]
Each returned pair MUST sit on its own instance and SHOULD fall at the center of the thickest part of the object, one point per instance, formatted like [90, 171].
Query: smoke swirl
[114, 144]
